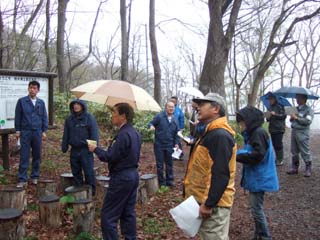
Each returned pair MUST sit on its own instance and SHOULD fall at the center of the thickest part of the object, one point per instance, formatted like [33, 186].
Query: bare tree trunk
[124, 41]
[1, 40]
[218, 46]
[154, 53]
[62, 75]
[47, 35]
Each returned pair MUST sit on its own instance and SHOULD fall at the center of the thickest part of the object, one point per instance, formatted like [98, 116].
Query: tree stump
[50, 211]
[13, 197]
[79, 192]
[66, 180]
[11, 224]
[83, 215]
[46, 187]
[151, 183]
[142, 196]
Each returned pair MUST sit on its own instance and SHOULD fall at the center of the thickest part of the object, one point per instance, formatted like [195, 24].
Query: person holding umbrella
[277, 126]
[300, 134]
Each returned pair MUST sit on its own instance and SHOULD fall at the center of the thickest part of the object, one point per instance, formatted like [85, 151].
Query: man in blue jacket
[178, 114]
[31, 123]
[165, 139]
[79, 127]
[122, 157]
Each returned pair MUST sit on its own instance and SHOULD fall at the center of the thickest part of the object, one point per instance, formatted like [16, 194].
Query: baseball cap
[212, 97]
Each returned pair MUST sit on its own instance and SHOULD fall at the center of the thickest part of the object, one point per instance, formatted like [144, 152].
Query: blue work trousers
[119, 204]
[82, 160]
[30, 139]
[163, 157]
[261, 226]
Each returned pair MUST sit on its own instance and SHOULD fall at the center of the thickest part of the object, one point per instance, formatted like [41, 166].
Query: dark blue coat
[79, 128]
[29, 117]
[124, 150]
[165, 132]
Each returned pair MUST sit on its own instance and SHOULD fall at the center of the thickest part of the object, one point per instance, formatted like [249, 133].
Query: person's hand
[204, 211]
[17, 135]
[152, 128]
[176, 146]
[273, 113]
[293, 116]
[44, 136]
[91, 147]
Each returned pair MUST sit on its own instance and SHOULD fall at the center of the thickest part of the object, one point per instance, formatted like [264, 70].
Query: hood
[252, 117]
[83, 103]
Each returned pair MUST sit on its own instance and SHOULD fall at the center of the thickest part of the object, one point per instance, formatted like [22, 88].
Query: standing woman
[277, 127]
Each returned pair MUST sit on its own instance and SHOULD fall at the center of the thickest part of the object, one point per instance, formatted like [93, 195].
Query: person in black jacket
[277, 127]
[122, 157]
[79, 127]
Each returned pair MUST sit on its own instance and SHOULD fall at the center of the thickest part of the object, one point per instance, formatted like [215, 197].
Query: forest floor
[293, 213]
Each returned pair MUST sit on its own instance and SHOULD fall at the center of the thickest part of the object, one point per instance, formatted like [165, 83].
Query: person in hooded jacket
[259, 173]
[277, 127]
[79, 127]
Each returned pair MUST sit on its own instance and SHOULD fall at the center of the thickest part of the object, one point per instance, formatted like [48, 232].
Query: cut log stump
[79, 192]
[66, 180]
[151, 183]
[83, 215]
[142, 196]
[11, 224]
[50, 211]
[13, 197]
[46, 187]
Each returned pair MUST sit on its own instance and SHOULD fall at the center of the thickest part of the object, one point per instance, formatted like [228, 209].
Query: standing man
[178, 114]
[211, 168]
[300, 135]
[122, 157]
[79, 127]
[277, 127]
[165, 139]
[31, 123]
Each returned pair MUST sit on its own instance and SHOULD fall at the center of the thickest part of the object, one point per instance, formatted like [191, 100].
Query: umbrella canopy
[111, 92]
[281, 100]
[291, 92]
[192, 91]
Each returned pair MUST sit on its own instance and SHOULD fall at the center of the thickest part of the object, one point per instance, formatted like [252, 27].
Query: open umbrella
[281, 100]
[291, 92]
[192, 91]
[111, 92]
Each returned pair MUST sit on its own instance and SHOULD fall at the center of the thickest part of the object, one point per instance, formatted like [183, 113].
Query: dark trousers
[82, 160]
[163, 157]
[119, 204]
[30, 140]
[277, 141]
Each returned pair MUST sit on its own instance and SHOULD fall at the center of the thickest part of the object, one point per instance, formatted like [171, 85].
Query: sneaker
[35, 181]
[21, 184]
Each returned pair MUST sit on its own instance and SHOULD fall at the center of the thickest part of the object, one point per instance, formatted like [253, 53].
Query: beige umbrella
[111, 92]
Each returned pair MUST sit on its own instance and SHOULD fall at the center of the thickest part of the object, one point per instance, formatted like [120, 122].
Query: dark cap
[212, 97]
[271, 96]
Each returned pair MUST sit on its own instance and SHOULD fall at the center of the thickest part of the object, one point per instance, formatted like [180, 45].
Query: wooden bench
[151, 183]
[83, 215]
[50, 211]
[11, 224]
[13, 197]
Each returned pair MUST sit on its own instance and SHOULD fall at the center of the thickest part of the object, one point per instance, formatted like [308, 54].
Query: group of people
[122, 155]
[210, 174]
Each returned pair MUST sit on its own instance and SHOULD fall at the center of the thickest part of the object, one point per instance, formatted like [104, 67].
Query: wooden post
[46, 187]
[5, 151]
[50, 211]
[11, 224]
[142, 196]
[66, 180]
[79, 192]
[151, 183]
[13, 197]
[83, 215]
